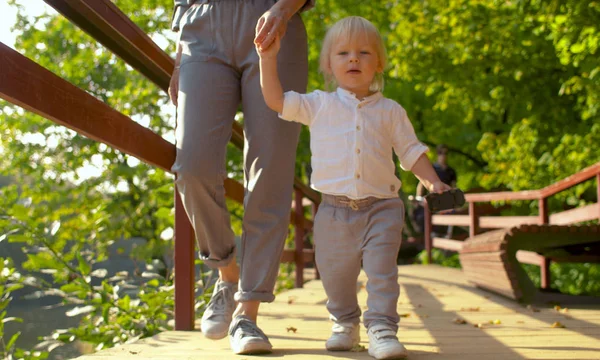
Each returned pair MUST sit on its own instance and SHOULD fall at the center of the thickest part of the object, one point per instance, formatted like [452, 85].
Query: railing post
[184, 268]
[315, 209]
[427, 235]
[543, 208]
[598, 193]
[474, 219]
[545, 273]
[545, 264]
[299, 240]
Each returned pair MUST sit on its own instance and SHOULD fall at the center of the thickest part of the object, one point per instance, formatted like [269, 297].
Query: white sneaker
[383, 343]
[343, 337]
[217, 316]
[246, 338]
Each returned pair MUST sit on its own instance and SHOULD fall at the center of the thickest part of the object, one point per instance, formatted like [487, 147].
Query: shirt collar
[350, 96]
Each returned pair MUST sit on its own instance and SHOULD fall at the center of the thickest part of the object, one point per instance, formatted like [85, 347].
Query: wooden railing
[27, 84]
[476, 223]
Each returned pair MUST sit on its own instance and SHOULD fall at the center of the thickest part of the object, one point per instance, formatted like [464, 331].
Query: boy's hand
[439, 187]
[271, 51]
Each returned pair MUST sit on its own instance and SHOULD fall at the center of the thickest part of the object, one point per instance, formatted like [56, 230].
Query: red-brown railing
[26, 84]
[475, 222]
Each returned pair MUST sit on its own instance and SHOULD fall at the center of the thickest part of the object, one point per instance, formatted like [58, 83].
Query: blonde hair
[344, 30]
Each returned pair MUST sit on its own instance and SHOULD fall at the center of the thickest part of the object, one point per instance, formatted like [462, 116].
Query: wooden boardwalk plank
[431, 299]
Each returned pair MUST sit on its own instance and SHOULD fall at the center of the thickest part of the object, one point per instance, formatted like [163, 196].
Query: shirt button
[358, 176]
[358, 151]
[358, 127]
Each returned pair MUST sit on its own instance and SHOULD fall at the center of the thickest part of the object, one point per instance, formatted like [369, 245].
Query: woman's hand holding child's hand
[271, 51]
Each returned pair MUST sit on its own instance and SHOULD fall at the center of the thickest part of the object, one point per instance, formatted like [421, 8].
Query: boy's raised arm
[269, 77]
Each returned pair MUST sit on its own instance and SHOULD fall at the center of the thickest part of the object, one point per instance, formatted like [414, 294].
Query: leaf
[292, 329]
[55, 227]
[11, 319]
[358, 348]
[557, 324]
[7, 234]
[80, 310]
[99, 273]
[12, 341]
[404, 315]
[459, 321]
[84, 267]
[470, 309]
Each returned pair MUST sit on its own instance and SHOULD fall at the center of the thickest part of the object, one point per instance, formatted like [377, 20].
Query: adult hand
[271, 24]
[174, 86]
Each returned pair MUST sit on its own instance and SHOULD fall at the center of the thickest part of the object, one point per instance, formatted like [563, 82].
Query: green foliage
[440, 258]
[511, 86]
[10, 281]
[114, 310]
[574, 279]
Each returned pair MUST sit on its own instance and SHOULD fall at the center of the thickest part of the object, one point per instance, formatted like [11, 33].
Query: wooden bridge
[443, 317]
[297, 321]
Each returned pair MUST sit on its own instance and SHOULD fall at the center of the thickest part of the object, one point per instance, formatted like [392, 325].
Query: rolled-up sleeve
[300, 107]
[181, 6]
[406, 144]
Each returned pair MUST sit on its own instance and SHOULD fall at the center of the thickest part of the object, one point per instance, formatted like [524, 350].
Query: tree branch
[479, 162]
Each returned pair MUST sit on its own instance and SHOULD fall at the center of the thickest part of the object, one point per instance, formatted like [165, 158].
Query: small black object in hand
[450, 199]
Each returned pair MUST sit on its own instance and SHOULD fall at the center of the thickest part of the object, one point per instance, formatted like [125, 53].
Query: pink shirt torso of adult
[352, 141]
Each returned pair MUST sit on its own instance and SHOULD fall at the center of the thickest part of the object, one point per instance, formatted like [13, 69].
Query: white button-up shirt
[351, 141]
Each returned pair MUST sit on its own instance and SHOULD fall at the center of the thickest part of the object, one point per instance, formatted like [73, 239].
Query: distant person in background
[448, 176]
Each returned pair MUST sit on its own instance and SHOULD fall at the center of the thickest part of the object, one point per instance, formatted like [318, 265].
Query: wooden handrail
[54, 98]
[475, 222]
[106, 23]
[561, 185]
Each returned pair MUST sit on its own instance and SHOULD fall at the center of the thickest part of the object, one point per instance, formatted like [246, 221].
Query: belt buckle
[353, 205]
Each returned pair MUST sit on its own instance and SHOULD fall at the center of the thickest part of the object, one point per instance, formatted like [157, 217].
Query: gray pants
[220, 69]
[346, 233]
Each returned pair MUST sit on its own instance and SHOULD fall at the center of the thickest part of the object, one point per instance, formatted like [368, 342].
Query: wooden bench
[489, 260]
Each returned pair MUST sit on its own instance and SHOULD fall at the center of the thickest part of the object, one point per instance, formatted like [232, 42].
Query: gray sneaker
[217, 316]
[246, 338]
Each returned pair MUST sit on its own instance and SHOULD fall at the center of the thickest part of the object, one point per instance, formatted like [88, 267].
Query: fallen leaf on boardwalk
[459, 321]
[495, 322]
[133, 352]
[470, 309]
[532, 309]
[562, 311]
[358, 348]
[291, 299]
[480, 325]
[404, 315]
[558, 325]
[292, 329]
[419, 305]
